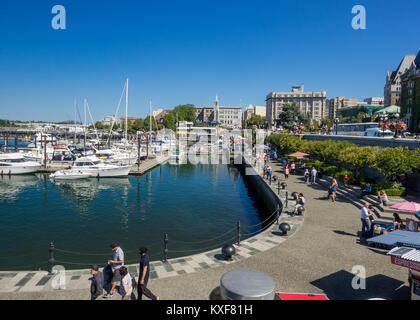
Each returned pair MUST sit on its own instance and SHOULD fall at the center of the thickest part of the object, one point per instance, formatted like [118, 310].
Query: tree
[138, 124]
[396, 161]
[256, 120]
[146, 124]
[358, 157]
[285, 143]
[182, 113]
[99, 125]
[291, 116]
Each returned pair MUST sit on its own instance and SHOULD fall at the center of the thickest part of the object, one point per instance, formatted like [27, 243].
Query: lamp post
[383, 118]
[337, 121]
[396, 116]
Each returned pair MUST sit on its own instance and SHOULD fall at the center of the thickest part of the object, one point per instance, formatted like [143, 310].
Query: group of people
[367, 218]
[310, 175]
[119, 275]
[268, 172]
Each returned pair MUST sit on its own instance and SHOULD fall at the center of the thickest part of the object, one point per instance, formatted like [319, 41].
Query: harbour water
[198, 206]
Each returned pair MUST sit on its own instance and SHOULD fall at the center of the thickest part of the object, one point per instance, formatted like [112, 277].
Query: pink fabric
[407, 206]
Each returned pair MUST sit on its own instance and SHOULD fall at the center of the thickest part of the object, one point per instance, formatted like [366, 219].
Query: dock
[145, 165]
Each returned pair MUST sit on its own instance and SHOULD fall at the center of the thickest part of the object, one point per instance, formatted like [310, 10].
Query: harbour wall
[411, 144]
[260, 187]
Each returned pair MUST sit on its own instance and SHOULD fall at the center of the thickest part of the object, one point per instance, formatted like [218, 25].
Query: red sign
[405, 263]
[411, 225]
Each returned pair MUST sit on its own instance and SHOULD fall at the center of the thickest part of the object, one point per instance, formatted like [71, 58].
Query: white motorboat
[97, 168]
[16, 163]
[69, 175]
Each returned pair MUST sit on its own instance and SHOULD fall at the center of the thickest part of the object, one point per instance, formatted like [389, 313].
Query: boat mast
[75, 121]
[126, 111]
[150, 117]
[84, 127]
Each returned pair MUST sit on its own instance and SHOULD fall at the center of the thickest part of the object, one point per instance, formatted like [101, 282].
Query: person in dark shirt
[97, 282]
[144, 269]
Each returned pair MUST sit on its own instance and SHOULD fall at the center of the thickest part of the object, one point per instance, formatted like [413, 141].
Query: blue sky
[177, 52]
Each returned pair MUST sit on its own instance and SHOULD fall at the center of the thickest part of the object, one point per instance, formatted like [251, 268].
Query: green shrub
[396, 192]
[329, 170]
[318, 164]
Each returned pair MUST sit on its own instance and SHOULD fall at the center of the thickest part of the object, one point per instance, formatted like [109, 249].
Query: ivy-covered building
[410, 96]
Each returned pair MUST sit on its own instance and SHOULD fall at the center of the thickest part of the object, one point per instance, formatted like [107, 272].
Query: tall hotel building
[313, 103]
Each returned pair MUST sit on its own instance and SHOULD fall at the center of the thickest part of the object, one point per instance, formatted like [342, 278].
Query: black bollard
[287, 198]
[278, 187]
[239, 233]
[165, 251]
[51, 261]
[277, 214]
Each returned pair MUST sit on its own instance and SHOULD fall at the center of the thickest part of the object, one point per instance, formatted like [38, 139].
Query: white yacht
[97, 168]
[16, 163]
[69, 175]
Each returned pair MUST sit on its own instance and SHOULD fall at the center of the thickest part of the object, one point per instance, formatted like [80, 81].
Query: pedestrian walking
[286, 172]
[270, 173]
[306, 175]
[366, 213]
[144, 276]
[97, 282]
[116, 263]
[126, 284]
[293, 168]
[313, 175]
[333, 188]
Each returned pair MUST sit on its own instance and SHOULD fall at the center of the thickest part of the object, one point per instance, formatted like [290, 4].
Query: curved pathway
[318, 258]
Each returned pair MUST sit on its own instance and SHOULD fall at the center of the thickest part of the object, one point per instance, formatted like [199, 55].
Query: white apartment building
[376, 101]
[109, 120]
[313, 103]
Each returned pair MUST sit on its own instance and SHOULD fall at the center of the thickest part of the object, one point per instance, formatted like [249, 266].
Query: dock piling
[51, 261]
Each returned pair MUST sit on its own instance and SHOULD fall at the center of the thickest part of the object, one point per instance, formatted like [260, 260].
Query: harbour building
[410, 96]
[226, 116]
[313, 103]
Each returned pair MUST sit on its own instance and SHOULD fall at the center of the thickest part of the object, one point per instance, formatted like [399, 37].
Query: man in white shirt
[366, 213]
[313, 175]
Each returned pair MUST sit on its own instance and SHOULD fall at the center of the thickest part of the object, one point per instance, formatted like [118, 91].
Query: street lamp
[397, 115]
[336, 126]
[383, 118]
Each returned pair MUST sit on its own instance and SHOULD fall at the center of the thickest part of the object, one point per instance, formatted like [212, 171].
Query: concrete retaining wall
[368, 141]
[260, 187]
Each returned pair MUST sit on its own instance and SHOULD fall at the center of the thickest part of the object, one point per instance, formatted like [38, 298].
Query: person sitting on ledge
[398, 223]
[382, 197]
[366, 191]
[300, 202]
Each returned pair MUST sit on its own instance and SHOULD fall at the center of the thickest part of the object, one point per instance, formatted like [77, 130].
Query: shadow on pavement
[338, 286]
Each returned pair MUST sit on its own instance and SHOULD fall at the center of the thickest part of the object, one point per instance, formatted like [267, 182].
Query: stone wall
[368, 141]
[260, 187]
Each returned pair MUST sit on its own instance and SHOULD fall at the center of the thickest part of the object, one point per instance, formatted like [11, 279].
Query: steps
[352, 194]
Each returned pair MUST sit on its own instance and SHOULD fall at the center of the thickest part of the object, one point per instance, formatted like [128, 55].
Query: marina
[82, 216]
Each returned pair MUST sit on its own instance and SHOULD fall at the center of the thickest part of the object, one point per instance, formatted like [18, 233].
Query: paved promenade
[317, 258]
